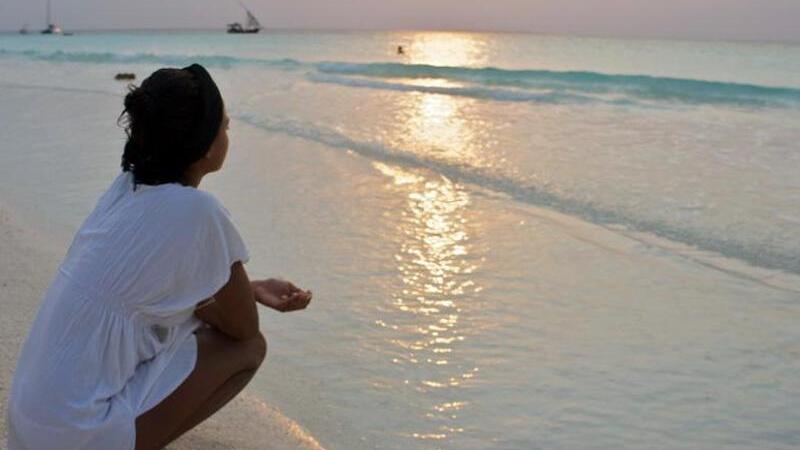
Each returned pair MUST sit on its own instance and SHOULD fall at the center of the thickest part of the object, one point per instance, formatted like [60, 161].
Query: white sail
[252, 22]
[252, 25]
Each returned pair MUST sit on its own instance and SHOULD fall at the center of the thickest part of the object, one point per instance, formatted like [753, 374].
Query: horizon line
[267, 30]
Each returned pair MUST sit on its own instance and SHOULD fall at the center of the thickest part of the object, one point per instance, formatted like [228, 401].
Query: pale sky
[688, 19]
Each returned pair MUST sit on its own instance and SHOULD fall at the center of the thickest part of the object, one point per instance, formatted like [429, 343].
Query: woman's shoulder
[188, 208]
[174, 202]
[199, 201]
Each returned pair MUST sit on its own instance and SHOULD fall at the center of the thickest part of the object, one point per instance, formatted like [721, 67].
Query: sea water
[515, 241]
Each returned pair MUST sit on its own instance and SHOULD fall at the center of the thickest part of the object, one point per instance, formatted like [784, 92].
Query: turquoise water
[516, 241]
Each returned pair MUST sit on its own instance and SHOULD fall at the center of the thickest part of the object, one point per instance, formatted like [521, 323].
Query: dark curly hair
[161, 120]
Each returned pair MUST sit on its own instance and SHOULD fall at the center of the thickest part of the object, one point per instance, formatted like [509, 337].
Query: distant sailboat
[51, 27]
[252, 25]
[24, 29]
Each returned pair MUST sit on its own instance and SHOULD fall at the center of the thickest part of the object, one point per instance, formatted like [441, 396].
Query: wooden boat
[252, 25]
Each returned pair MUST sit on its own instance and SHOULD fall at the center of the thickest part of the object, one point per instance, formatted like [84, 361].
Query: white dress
[114, 334]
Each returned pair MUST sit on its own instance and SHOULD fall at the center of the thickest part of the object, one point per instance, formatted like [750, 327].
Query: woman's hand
[280, 295]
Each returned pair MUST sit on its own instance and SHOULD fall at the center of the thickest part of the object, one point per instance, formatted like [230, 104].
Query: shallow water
[515, 241]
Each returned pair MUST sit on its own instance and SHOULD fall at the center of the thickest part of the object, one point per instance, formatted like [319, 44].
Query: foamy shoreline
[29, 261]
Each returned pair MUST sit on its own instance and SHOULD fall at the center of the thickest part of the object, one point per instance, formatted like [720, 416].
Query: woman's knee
[234, 354]
[256, 350]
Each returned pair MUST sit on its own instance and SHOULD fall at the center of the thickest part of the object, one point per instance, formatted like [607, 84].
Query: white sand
[28, 263]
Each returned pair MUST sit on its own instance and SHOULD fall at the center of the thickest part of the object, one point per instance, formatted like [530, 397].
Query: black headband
[211, 101]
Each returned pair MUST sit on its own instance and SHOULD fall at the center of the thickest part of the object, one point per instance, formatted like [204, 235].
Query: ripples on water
[435, 267]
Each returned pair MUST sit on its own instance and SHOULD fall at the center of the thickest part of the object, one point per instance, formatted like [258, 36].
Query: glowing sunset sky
[704, 19]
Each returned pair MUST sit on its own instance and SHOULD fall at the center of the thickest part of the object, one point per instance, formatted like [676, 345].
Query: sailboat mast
[48, 13]
[249, 14]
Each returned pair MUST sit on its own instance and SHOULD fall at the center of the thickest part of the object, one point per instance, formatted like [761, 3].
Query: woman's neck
[191, 178]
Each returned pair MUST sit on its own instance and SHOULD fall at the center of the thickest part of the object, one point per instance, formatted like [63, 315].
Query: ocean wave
[491, 83]
[149, 58]
[482, 92]
[520, 190]
[581, 82]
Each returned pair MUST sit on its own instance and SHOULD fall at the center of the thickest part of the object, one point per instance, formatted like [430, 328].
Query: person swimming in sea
[150, 325]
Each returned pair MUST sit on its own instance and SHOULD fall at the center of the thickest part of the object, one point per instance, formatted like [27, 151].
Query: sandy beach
[29, 262]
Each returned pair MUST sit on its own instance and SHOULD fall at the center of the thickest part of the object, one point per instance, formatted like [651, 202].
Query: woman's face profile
[219, 148]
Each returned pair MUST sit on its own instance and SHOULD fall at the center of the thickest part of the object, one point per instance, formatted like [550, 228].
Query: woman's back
[120, 313]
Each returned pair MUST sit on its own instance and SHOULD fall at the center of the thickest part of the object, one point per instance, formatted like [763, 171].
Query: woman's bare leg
[218, 399]
[224, 366]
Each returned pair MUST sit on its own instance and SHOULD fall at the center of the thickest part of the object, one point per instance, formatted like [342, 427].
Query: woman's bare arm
[234, 310]
[280, 295]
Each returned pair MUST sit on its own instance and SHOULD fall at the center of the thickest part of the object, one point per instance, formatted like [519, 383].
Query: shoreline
[29, 263]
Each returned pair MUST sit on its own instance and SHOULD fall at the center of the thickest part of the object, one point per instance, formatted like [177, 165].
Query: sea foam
[490, 83]
[530, 193]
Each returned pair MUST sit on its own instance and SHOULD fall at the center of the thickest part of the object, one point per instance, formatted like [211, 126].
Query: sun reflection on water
[435, 258]
[435, 267]
[439, 127]
[447, 49]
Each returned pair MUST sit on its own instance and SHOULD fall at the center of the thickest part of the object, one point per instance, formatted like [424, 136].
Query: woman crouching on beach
[150, 325]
